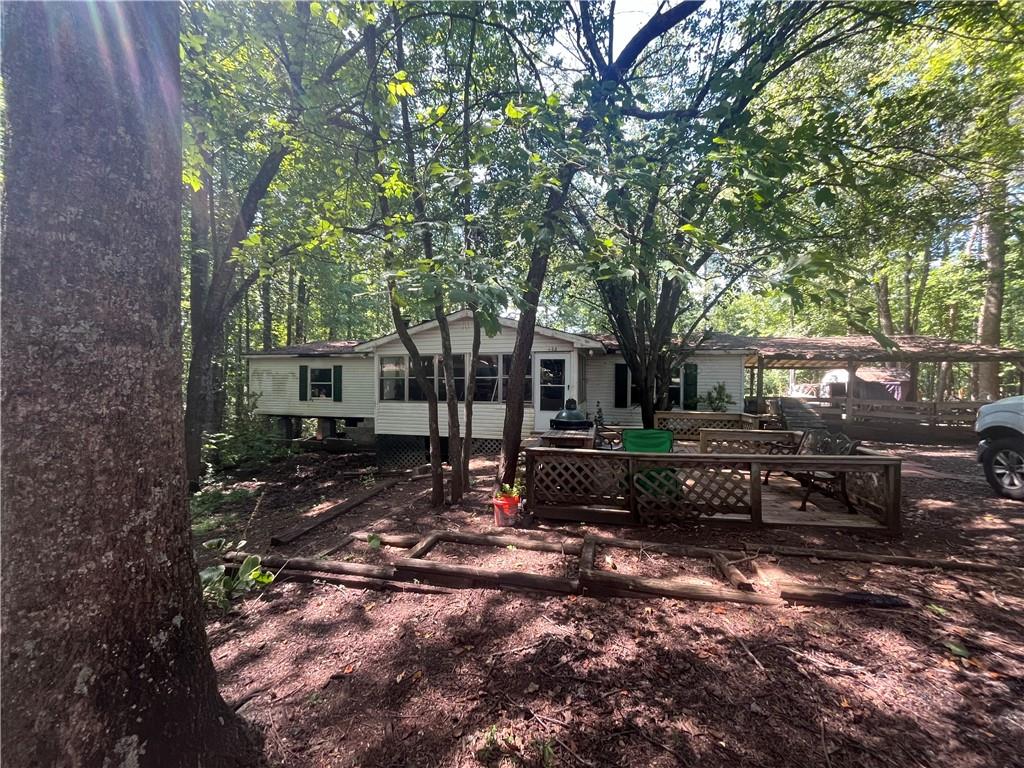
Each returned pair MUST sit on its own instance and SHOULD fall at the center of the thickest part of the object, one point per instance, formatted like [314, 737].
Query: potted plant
[506, 503]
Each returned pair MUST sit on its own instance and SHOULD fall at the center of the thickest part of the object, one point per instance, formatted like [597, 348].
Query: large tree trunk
[105, 659]
[990, 319]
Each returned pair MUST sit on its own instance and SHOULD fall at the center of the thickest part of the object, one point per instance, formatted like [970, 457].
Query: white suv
[1000, 426]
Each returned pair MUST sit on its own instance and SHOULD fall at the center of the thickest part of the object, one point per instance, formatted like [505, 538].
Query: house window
[627, 392]
[675, 387]
[416, 394]
[682, 387]
[321, 384]
[392, 377]
[487, 378]
[459, 369]
[506, 366]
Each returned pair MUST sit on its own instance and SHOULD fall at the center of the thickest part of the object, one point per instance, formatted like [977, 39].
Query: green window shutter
[303, 382]
[336, 379]
[621, 385]
[690, 387]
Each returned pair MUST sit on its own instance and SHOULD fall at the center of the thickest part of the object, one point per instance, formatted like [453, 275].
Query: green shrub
[206, 508]
[717, 398]
[221, 586]
[250, 444]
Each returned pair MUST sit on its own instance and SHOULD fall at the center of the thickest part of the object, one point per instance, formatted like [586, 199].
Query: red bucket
[506, 508]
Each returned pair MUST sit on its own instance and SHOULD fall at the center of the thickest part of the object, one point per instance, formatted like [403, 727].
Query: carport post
[760, 384]
[851, 377]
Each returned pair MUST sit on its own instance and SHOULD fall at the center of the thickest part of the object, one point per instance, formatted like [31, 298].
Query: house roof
[827, 351]
[577, 340]
[312, 349]
[349, 347]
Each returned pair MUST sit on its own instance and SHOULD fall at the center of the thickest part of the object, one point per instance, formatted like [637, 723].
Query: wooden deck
[622, 488]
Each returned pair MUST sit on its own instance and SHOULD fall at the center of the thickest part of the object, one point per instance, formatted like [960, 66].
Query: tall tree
[105, 657]
[602, 89]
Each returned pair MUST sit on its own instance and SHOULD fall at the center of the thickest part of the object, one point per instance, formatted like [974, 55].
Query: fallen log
[799, 593]
[678, 550]
[323, 566]
[332, 512]
[401, 540]
[871, 557]
[427, 570]
[638, 586]
[424, 545]
[731, 573]
[564, 546]
[358, 582]
[345, 541]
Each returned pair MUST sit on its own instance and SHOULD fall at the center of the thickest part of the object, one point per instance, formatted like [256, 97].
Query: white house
[370, 382]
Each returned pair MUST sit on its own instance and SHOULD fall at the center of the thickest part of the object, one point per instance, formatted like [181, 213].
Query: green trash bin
[658, 482]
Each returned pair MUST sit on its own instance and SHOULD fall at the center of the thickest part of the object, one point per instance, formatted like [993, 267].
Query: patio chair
[660, 481]
[647, 440]
[821, 442]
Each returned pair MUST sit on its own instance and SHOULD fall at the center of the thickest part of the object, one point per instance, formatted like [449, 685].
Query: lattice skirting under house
[402, 451]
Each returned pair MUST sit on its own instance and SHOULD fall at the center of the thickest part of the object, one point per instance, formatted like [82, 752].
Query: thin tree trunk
[301, 310]
[267, 315]
[115, 671]
[946, 368]
[452, 401]
[239, 361]
[467, 440]
[419, 205]
[990, 318]
[289, 333]
[884, 307]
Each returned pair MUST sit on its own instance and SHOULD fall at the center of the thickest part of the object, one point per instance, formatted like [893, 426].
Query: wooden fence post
[634, 509]
[755, 493]
[894, 498]
[531, 471]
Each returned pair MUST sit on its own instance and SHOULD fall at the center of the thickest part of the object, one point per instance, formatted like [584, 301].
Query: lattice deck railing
[686, 425]
[661, 488]
[770, 442]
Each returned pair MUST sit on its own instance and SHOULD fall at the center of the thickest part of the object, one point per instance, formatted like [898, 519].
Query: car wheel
[1004, 467]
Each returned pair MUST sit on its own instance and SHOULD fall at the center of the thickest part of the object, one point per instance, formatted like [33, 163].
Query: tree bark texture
[105, 659]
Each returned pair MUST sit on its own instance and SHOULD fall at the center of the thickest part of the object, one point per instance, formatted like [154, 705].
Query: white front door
[551, 388]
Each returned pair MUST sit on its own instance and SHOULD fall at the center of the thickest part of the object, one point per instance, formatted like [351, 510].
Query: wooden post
[750, 383]
[851, 379]
[755, 493]
[631, 490]
[913, 369]
[531, 469]
[326, 428]
[760, 384]
[894, 498]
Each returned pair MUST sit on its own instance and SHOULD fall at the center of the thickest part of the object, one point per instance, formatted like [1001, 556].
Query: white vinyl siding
[275, 384]
[395, 418]
[410, 418]
[711, 369]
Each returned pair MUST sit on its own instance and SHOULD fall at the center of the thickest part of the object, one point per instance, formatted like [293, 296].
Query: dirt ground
[341, 675]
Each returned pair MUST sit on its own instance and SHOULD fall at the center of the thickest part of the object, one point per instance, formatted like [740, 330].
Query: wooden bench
[821, 442]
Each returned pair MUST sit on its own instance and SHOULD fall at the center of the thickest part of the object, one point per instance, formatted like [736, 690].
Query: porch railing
[686, 425]
[773, 442]
[658, 488]
[946, 413]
